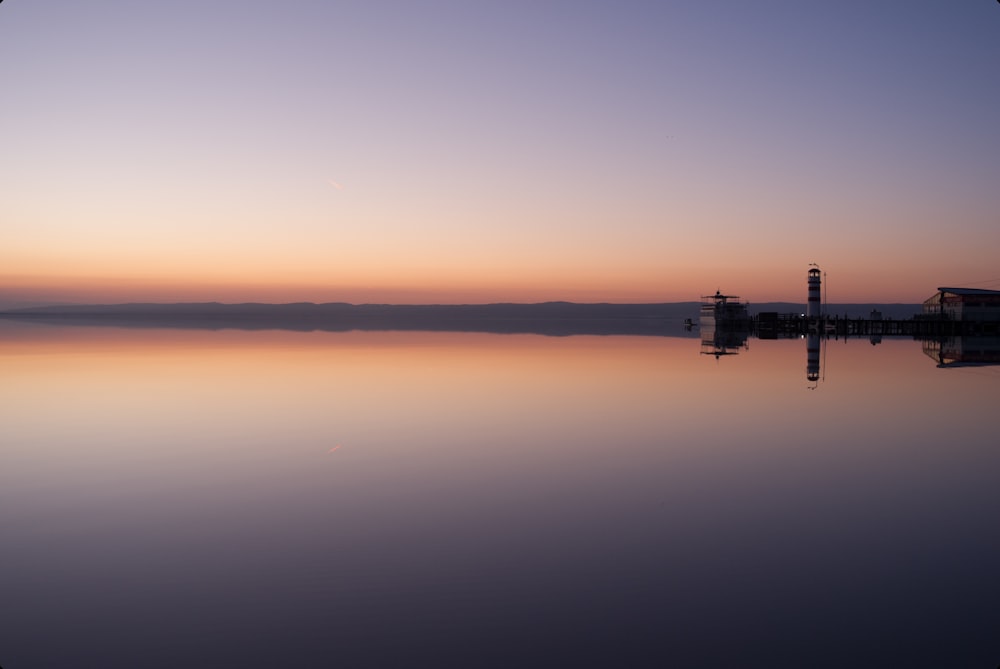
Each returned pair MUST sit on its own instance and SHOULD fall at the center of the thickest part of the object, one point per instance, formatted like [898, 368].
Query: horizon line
[25, 304]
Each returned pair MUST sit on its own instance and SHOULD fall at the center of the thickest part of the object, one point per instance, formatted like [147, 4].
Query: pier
[769, 325]
[951, 312]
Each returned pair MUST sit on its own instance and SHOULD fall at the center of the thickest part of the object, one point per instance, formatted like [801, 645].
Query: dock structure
[951, 312]
[770, 325]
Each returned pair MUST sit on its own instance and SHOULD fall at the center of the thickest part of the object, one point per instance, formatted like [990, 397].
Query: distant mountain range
[556, 318]
[553, 318]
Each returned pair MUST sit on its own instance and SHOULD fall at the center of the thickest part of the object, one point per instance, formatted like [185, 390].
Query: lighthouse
[813, 305]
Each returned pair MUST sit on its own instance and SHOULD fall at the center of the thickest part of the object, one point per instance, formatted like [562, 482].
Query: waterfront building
[964, 304]
[723, 312]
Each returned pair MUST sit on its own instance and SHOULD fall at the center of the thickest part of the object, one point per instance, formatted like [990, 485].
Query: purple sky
[475, 152]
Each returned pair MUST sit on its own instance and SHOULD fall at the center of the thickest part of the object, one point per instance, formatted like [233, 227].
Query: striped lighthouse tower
[813, 306]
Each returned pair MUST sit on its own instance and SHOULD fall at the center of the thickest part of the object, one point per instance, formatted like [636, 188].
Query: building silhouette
[964, 304]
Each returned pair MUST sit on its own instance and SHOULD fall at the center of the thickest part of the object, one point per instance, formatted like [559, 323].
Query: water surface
[265, 498]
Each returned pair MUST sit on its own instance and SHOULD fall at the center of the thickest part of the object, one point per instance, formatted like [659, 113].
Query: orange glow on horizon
[453, 288]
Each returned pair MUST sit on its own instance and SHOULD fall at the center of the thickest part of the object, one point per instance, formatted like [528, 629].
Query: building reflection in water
[963, 351]
[948, 352]
[723, 342]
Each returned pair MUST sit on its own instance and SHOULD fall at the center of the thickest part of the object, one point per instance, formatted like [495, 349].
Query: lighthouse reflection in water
[727, 342]
[812, 357]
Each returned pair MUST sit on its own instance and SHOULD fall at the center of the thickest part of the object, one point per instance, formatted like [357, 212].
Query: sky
[522, 151]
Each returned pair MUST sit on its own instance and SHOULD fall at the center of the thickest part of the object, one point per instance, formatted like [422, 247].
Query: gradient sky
[497, 151]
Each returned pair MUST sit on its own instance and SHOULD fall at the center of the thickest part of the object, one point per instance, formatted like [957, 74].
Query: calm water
[180, 498]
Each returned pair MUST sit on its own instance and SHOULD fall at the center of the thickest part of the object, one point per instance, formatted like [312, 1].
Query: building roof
[969, 291]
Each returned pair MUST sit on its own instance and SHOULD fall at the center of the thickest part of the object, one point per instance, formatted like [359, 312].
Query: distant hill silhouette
[550, 318]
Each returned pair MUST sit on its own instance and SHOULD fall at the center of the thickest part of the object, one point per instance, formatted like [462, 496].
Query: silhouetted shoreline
[549, 318]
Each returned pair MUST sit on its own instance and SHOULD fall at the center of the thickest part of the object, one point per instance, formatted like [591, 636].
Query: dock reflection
[946, 352]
